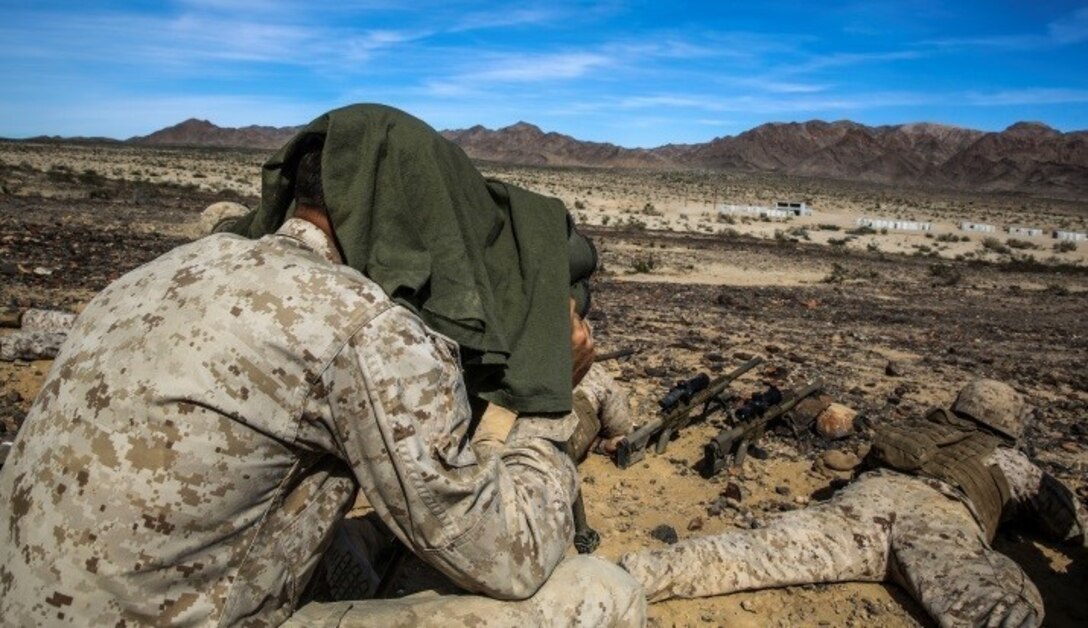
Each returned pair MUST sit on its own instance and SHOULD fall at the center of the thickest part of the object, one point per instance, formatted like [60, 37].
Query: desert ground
[893, 323]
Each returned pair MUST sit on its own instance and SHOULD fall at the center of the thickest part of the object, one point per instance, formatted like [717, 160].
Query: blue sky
[631, 73]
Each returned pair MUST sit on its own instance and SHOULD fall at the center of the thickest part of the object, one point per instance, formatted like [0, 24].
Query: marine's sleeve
[609, 400]
[1042, 498]
[496, 524]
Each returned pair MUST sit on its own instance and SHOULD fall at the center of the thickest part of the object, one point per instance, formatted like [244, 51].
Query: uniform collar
[311, 237]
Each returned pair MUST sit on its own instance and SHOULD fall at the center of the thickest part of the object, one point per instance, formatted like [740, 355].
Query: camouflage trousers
[883, 527]
[582, 591]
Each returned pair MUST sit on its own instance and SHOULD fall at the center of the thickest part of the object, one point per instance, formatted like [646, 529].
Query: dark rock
[665, 533]
[840, 460]
[695, 524]
[733, 491]
[656, 371]
[893, 369]
[742, 355]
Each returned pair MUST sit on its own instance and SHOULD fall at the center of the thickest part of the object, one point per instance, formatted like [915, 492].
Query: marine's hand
[581, 346]
[1012, 612]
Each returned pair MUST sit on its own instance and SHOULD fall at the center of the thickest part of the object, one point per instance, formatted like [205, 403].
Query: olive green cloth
[480, 261]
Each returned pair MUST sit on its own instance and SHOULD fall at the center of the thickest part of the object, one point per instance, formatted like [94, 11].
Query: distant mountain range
[1026, 157]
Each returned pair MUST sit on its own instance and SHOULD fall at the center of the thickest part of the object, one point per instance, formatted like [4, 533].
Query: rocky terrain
[1027, 157]
[891, 328]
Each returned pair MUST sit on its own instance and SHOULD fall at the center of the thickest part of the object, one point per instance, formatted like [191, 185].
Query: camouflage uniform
[917, 532]
[210, 419]
[608, 400]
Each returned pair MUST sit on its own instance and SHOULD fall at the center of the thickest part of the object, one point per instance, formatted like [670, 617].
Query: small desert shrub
[829, 227]
[838, 241]
[1065, 246]
[862, 230]
[579, 205]
[798, 232]
[1019, 244]
[948, 237]
[838, 274]
[995, 245]
[644, 264]
[945, 274]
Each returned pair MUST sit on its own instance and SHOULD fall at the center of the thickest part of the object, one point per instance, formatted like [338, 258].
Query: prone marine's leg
[842, 540]
[940, 556]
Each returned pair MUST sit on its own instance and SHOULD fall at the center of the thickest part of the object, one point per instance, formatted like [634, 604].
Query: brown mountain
[195, 132]
[1027, 156]
[524, 143]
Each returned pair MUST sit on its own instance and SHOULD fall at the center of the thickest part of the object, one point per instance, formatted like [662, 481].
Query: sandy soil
[890, 328]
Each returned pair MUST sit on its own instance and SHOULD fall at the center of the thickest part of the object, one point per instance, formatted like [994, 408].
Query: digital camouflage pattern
[993, 404]
[914, 531]
[583, 591]
[208, 421]
[609, 400]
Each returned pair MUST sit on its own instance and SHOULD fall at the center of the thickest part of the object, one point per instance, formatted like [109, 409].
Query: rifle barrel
[615, 355]
[638, 439]
[735, 440]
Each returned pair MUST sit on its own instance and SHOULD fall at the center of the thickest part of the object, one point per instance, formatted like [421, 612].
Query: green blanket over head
[480, 261]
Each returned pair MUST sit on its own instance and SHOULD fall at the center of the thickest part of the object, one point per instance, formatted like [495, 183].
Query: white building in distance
[781, 209]
[977, 227]
[1073, 236]
[897, 225]
[797, 208]
[754, 210]
[1028, 232]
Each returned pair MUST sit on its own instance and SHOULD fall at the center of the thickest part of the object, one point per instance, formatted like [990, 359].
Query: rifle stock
[632, 448]
[730, 446]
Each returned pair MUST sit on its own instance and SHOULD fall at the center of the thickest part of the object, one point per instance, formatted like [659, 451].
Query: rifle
[730, 446]
[688, 395]
[612, 355]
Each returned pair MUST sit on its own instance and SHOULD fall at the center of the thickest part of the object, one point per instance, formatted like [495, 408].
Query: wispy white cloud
[715, 122]
[1029, 96]
[547, 67]
[748, 103]
[843, 59]
[765, 84]
[1069, 29]
[516, 68]
[192, 40]
[669, 100]
[503, 19]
